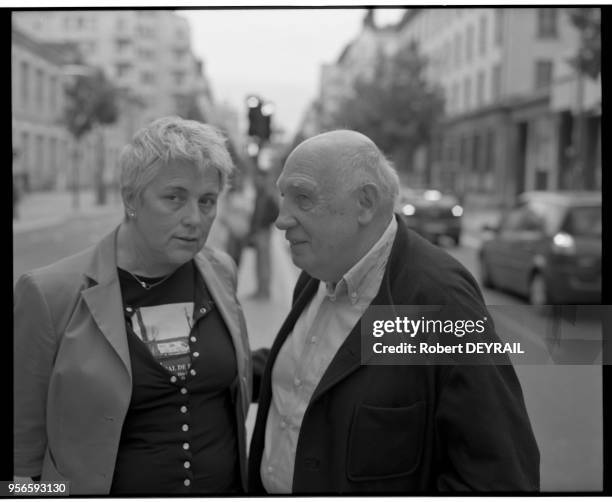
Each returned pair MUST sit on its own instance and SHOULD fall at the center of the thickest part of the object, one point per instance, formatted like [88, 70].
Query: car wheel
[485, 274]
[538, 290]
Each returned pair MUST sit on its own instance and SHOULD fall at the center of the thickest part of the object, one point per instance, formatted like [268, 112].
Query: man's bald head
[352, 159]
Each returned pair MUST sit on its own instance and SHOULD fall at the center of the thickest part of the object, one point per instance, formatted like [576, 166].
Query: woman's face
[174, 214]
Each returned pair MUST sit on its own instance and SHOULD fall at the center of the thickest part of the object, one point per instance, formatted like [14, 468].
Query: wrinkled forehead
[314, 168]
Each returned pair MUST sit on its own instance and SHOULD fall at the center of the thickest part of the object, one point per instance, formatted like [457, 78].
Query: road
[564, 401]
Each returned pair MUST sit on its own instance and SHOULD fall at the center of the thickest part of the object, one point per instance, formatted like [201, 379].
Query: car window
[550, 215]
[523, 218]
[584, 221]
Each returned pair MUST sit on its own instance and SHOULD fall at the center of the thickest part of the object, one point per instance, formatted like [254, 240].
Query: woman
[132, 365]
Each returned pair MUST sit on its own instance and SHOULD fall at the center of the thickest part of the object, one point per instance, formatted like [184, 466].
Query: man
[328, 424]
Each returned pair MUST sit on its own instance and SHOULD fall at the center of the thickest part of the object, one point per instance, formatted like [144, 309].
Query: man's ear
[368, 197]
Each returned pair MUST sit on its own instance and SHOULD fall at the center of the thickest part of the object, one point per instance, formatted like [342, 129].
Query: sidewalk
[37, 210]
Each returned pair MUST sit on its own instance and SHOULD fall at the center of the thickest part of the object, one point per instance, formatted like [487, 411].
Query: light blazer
[73, 378]
[406, 429]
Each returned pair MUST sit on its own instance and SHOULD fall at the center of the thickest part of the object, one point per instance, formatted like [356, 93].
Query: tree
[90, 101]
[587, 21]
[395, 107]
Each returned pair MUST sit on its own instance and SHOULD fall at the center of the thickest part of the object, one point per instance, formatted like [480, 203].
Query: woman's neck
[133, 255]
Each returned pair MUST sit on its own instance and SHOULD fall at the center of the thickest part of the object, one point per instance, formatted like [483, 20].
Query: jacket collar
[104, 296]
[348, 356]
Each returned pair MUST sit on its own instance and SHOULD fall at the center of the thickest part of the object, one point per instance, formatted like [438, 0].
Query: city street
[563, 401]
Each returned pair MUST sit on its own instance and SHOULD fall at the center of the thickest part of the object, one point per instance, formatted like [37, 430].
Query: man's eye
[207, 203]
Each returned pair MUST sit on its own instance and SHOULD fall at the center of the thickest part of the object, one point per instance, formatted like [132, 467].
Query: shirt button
[297, 382]
[129, 309]
[192, 372]
[185, 446]
[196, 354]
[185, 428]
[187, 482]
[187, 464]
[283, 424]
[183, 390]
[193, 339]
[203, 310]
[173, 379]
[353, 295]
[183, 409]
[313, 339]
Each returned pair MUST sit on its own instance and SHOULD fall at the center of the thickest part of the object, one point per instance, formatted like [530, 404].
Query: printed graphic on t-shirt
[165, 329]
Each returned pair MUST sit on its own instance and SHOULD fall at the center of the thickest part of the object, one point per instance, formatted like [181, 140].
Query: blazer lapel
[104, 298]
[301, 302]
[224, 300]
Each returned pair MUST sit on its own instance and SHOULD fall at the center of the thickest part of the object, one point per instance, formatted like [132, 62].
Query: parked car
[431, 213]
[547, 248]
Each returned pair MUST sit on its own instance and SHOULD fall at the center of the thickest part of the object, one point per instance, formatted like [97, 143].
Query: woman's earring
[131, 214]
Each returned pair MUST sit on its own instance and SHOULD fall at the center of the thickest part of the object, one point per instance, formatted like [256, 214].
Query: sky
[276, 54]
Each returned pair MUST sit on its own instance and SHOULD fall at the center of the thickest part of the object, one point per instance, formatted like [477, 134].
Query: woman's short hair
[172, 139]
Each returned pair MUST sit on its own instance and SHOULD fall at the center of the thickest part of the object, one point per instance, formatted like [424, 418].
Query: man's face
[318, 214]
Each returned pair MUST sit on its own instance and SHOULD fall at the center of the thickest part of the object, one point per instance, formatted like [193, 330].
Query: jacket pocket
[49, 469]
[385, 442]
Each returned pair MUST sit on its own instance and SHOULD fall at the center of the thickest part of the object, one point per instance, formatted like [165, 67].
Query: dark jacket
[404, 429]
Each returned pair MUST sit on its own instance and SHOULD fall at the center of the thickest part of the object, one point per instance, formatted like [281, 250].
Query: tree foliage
[588, 22]
[90, 100]
[396, 107]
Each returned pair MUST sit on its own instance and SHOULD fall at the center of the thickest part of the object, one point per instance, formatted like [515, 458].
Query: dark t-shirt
[179, 435]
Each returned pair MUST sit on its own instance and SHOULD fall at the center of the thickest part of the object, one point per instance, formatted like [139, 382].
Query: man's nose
[285, 220]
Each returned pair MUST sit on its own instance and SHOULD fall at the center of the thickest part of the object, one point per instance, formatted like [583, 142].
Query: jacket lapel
[104, 298]
[228, 308]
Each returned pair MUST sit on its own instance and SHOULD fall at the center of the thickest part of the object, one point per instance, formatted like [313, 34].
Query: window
[455, 96]
[25, 83]
[122, 44]
[496, 82]
[25, 151]
[547, 23]
[39, 88]
[469, 43]
[458, 50]
[543, 74]
[483, 35]
[147, 77]
[481, 88]
[52, 94]
[123, 69]
[499, 27]
[40, 158]
[53, 156]
[179, 77]
[467, 93]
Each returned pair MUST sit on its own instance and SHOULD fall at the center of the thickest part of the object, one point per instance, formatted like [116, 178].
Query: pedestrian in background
[265, 213]
[235, 212]
[132, 363]
[326, 422]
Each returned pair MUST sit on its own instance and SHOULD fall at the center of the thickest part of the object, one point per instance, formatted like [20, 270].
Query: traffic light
[254, 105]
[260, 118]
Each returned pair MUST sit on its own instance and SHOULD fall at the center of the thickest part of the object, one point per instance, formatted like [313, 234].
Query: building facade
[40, 142]
[500, 68]
[147, 56]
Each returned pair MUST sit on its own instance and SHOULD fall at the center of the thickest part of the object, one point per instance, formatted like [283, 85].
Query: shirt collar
[354, 281]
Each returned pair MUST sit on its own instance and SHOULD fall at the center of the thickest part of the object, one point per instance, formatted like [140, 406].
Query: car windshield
[584, 221]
